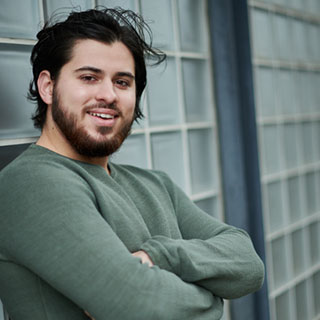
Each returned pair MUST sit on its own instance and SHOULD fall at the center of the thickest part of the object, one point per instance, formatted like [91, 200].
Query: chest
[137, 211]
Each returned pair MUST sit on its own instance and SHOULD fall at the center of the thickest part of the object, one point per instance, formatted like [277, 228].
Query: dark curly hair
[56, 41]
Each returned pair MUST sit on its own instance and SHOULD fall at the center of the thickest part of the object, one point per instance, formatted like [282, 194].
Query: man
[82, 237]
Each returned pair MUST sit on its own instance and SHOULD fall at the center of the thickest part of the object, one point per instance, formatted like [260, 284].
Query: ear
[45, 86]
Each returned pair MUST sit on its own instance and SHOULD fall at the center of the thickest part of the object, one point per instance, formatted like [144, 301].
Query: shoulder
[38, 169]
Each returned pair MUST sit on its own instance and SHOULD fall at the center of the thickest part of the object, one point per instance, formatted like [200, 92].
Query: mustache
[103, 105]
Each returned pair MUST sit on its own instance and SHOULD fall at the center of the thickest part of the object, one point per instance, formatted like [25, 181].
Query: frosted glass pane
[159, 14]
[280, 262]
[281, 2]
[197, 90]
[271, 149]
[202, 160]
[192, 25]
[303, 92]
[308, 151]
[314, 91]
[63, 7]
[283, 306]
[19, 20]
[314, 237]
[306, 87]
[290, 145]
[132, 152]
[285, 94]
[303, 312]
[316, 291]
[210, 206]
[8, 153]
[275, 205]
[163, 94]
[300, 48]
[317, 133]
[167, 155]
[314, 33]
[262, 34]
[265, 92]
[282, 34]
[298, 250]
[14, 82]
[125, 4]
[311, 193]
[294, 198]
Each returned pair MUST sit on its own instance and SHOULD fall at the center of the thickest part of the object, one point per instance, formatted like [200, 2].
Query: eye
[88, 78]
[122, 83]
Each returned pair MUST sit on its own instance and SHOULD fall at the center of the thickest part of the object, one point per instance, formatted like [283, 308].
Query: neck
[52, 139]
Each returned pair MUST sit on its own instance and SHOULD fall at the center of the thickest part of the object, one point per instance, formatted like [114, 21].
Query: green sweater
[68, 230]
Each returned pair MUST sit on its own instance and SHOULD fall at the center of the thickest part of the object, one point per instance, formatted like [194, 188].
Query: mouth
[102, 115]
[105, 118]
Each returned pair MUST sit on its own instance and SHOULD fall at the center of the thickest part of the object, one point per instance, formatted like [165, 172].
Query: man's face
[94, 97]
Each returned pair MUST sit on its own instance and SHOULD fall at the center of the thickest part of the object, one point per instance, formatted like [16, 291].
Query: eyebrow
[99, 71]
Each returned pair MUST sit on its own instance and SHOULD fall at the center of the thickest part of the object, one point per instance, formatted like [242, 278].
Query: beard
[78, 137]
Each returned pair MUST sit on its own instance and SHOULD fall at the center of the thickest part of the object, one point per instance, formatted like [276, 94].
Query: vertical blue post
[230, 41]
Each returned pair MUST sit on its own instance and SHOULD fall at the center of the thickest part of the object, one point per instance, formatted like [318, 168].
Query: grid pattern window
[179, 131]
[286, 58]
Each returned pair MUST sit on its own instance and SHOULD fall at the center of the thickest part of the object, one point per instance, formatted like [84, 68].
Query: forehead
[108, 57]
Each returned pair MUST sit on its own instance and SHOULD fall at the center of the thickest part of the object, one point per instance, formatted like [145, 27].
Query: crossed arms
[66, 242]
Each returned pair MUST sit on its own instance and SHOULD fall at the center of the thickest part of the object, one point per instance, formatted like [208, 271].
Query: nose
[106, 92]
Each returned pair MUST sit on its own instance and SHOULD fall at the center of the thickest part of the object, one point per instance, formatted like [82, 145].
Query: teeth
[102, 115]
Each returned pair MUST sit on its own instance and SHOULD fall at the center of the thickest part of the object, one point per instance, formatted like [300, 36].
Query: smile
[102, 115]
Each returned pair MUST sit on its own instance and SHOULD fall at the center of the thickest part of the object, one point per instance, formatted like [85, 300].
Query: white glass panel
[298, 252]
[294, 198]
[125, 4]
[311, 193]
[285, 94]
[280, 262]
[159, 16]
[308, 151]
[265, 92]
[19, 20]
[314, 33]
[210, 206]
[300, 48]
[303, 311]
[203, 163]
[314, 237]
[314, 83]
[316, 291]
[282, 37]
[197, 90]
[15, 76]
[192, 25]
[163, 94]
[132, 152]
[275, 205]
[283, 306]
[290, 145]
[63, 7]
[167, 155]
[262, 34]
[271, 149]
[280, 2]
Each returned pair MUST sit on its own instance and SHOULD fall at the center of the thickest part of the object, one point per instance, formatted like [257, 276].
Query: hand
[144, 257]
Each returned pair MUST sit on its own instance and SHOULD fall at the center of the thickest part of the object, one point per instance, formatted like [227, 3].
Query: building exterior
[233, 117]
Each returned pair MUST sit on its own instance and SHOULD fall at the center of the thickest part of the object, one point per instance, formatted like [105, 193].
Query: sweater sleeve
[212, 254]
[50, 224]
